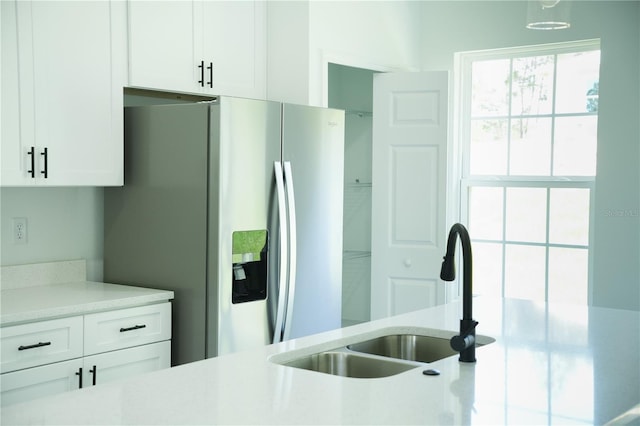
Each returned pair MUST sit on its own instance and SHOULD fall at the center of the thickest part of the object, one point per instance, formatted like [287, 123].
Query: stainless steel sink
[411, 347]
[389, 352]
[347, 364]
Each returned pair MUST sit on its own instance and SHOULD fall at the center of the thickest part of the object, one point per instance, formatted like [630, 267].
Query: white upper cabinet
[11, 157]
[199, 46]
[71, 62]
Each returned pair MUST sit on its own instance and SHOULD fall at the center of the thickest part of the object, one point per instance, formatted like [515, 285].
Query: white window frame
[459, 180]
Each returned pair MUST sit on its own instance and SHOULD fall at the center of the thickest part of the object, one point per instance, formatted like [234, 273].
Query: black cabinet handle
[135, 327]
[201, 81]
[94, 372]
[32, 153]
[45, 154]
[210, 68]
[79, 374]
[36, 345]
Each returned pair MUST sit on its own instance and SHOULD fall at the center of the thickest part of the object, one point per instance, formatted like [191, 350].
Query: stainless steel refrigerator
[235, 205]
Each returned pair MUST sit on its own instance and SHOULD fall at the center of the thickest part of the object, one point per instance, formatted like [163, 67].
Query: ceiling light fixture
[548, 14]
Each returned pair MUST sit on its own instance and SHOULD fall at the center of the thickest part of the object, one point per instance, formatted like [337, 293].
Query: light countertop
[43, 291]
[549, 364]
[26, 304]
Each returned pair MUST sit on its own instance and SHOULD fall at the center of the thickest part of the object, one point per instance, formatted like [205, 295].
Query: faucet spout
[465, 341]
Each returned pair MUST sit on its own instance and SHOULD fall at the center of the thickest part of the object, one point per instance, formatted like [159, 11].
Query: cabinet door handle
[201, 81]
[94, 372]
[45, 154]
[35, 345]
[210, 68]
[32, 154]
[135, 327]
[79, 374]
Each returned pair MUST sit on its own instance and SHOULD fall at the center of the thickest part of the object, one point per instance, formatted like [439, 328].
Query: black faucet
[465, 342]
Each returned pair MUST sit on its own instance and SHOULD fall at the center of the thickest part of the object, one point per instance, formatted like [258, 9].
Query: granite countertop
[548, 364]
[37, 303]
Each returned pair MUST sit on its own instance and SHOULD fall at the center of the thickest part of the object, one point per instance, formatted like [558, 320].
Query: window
[528, 135]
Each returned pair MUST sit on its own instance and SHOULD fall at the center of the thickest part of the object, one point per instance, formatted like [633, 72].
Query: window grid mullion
[553, 113]
[509, 117]
[546, 261]
[504, 238]
[530, 243]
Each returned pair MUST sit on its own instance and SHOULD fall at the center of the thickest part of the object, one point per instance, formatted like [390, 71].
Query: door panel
[242, 189]
[122, 364]
[409, 191]
[37, 382]
[162, 45]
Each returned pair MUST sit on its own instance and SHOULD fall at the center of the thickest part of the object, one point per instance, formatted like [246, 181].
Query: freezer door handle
[278, 330]
[291, 276]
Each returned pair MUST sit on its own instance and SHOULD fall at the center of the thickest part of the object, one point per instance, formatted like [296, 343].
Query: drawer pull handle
[94, 372]
[37, 345]
[45, 154]
[135, 327]
[32, 154]
[79, 374]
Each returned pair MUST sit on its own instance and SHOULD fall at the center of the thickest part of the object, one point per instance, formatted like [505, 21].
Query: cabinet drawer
[108, 331]
[38, 343]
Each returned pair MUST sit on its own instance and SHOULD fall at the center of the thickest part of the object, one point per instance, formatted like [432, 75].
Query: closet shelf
[358, 113]
[355, 254]
[358, 184]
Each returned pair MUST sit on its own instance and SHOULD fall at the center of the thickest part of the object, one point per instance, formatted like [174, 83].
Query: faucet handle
[466, 338]
[460, 343]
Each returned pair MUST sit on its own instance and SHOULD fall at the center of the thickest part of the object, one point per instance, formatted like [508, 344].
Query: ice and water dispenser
[250, 260]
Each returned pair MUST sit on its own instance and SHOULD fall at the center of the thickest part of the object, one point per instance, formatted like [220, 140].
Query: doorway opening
[351, 89]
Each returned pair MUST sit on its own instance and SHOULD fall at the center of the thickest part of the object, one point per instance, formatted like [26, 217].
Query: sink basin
[386, 353]
[411, 347]
[350, 365]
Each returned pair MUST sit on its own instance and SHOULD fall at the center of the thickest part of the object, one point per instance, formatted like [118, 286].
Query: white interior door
[409, 232]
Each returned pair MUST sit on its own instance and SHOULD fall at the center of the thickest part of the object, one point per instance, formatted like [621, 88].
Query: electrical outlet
[19, 230]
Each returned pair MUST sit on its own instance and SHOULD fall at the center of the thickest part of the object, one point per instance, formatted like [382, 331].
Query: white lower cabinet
[110, 366]
[48, 357]
[36, 382]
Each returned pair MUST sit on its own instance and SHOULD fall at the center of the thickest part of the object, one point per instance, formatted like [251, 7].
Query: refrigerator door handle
[278, 329]
[291, 276]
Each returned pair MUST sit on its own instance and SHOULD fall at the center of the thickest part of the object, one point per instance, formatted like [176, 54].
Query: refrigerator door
[241, 208]
[313, 142]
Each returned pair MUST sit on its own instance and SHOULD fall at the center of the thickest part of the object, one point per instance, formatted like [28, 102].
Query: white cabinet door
[12, 155]
[162, 47]
[31, 383]
[234, 39]
[198, 46]
[408, 217]
[72, 67]
[110, 366]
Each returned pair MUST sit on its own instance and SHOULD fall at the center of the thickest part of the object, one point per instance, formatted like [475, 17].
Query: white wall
[306, 35]
[62, 224]
[450, 27]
